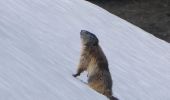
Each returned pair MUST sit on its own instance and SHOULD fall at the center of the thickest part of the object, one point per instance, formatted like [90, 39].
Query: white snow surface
[40, 49]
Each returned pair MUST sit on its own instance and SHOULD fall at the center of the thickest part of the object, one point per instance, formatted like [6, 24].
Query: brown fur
[95, 63]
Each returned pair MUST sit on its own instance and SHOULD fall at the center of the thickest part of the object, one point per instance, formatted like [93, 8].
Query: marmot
[94, 61]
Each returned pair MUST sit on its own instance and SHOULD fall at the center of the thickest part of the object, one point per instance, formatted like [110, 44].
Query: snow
[40, 48]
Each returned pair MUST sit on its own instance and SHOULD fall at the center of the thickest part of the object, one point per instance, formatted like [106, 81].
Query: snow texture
[40, 48]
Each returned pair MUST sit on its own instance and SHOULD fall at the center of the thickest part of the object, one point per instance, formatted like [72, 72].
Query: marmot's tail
[113, 98]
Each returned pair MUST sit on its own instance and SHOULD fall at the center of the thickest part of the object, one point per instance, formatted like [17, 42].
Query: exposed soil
[151, 15]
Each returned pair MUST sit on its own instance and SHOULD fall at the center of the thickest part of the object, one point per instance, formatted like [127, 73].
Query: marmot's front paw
[75, 75]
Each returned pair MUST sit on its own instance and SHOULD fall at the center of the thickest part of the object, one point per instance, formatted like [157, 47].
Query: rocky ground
[151, 15]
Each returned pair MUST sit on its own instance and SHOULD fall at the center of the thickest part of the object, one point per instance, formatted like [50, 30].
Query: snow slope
[40, 47]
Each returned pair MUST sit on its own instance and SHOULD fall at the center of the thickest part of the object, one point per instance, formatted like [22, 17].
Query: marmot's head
[88, 39]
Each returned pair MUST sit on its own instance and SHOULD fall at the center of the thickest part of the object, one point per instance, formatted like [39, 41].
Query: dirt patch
[151, 15]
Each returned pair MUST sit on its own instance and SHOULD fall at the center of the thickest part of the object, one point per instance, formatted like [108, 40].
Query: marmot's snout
[83, 32]
[87, 33]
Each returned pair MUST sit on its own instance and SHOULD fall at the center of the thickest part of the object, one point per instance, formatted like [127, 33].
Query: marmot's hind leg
[100, 89]
[97, 86]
